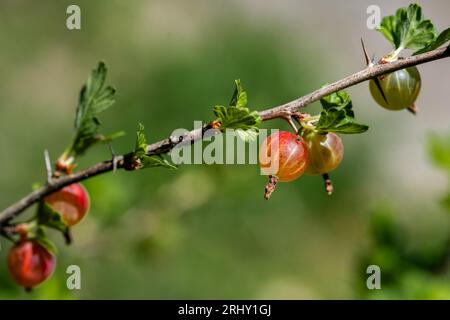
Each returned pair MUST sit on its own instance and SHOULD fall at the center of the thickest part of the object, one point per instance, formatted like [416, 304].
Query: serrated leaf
[42, 239]
[329, 118]
[142, 158]
[408, 28]
[443, 37]
[94, 98]
[50, 218]
[239, 98]
[141, 142]
[347, 128]
[338, 116]
[337, 121]
[336, 99]
[237, 118]
[155, 161]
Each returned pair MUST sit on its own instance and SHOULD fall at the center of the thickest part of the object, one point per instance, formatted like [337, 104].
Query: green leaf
[50, 218]
[239, 98]
[336, 99]
[347, 128]
[155, 161]
[94, 98]
[237, 118]
[141, 142]
[110, 137]
[142, 158]
[42, 239]
[338, 116]
[439, 149]
[408, 28]
[443, 37]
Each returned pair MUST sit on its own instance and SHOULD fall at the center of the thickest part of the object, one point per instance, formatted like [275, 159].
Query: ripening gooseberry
[284, 155]
[29, 263]
[71, 202]
[400, 88]
[325, 152]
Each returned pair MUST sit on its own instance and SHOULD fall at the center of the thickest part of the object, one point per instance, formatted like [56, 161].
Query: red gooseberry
[71, 202]
[30, 263]
[284, 155]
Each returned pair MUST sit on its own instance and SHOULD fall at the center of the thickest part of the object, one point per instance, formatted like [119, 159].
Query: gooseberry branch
[285, 111]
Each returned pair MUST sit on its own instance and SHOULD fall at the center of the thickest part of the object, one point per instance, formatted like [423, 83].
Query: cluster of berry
[29, 261]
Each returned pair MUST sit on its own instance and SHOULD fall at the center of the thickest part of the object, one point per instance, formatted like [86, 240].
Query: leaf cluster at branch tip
[238, 116]
[338, 116]
[408, 29]
[94, 98]
[140, 153]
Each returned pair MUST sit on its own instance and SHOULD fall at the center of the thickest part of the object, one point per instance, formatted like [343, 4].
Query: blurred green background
[205, 231]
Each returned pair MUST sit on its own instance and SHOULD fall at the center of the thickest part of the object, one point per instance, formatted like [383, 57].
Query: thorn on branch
[48, 167]
[115, 159]
[270, 187]
[369, 62]
[378, 84]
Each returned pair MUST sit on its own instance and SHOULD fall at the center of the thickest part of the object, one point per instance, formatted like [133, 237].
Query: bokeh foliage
[414, 265]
